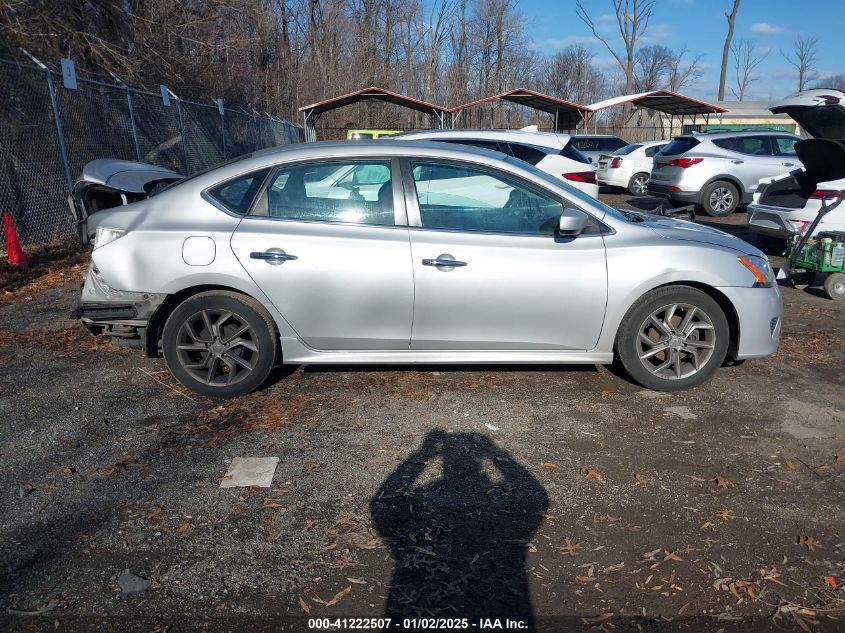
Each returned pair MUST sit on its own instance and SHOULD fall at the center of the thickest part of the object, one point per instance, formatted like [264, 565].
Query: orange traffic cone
[13, 246]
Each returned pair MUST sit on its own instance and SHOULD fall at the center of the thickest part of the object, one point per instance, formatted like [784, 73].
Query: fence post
[222, 126]
[60, 134]
[132, 123]
[183, 136]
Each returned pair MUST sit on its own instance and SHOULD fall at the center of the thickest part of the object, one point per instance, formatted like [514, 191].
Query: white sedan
[629, 167]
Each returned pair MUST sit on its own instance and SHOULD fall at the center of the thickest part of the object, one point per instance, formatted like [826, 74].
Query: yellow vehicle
[359, 135]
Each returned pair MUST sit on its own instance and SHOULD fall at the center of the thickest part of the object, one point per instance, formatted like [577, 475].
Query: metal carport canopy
[664, 101]
[373, 93]
[568, 115]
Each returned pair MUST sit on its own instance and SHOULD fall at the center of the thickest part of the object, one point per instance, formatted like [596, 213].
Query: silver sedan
[410, 252]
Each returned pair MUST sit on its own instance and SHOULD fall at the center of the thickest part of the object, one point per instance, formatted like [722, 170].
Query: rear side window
[624, 151]
[680, 145]
[573, 153]
[751, 145]
[237, 194]
[529, 154]
[611, 144]
[651, 151]
[357, 192]
[785, 145]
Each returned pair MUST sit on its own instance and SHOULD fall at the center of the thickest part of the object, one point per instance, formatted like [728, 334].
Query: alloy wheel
[721, 199]
[217, 347]
[676, 341]
[640, 185]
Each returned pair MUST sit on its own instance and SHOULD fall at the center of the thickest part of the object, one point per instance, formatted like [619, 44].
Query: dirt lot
[563, 497]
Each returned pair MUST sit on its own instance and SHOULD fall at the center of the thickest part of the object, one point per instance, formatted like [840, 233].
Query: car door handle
[736, 161]
[442, 261]
[273, 256]
[788, 164]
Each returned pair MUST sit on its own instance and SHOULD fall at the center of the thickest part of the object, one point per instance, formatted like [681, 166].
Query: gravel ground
[565, 497]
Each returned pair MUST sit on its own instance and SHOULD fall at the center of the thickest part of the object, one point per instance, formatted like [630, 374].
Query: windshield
[624, 151]
[201, 172]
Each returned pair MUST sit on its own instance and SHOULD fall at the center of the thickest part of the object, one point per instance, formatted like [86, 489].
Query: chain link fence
[49, 132]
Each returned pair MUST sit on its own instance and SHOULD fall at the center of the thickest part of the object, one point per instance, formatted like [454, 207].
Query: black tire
[238, 357]
[630, 346]
[638, 185]
[719, 198]
[834, 286]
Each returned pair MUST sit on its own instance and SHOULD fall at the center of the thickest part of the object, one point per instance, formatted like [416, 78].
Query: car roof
[738, 133]
[540, 139]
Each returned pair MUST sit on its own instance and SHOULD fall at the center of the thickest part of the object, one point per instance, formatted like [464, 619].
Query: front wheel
[673, 338]
[220, 344]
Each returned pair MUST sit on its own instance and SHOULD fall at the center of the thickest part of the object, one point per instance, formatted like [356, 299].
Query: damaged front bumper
[123, 315]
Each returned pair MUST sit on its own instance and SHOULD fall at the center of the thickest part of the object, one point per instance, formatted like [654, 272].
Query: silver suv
[721, 170]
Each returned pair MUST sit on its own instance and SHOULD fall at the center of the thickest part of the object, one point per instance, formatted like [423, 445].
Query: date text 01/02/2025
[415, 624]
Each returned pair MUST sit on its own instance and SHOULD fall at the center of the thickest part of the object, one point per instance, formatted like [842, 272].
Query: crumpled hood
[693, 232]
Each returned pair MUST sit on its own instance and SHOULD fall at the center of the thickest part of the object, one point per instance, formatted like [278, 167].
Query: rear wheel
[834, 286]
[220, 344]
[719, 198]
[638, 185]
[673, 338]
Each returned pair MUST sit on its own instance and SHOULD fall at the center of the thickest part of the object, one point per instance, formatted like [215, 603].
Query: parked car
[629, 167]
[553, 153]
[719, 171]
[777, 210]
[360, 135]
[464, 256]
[594, 146]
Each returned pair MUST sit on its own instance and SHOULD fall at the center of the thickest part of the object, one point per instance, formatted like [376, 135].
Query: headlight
[764, 277]
[105, 235]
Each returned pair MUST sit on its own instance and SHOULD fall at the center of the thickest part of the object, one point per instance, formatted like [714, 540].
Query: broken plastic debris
[250, 471]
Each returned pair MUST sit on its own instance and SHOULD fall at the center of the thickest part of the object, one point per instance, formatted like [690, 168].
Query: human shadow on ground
[458, 515]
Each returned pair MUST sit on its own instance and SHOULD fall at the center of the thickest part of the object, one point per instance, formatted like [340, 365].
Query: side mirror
[572, 222]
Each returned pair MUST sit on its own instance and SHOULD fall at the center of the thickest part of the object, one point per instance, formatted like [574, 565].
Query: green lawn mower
[809, 255]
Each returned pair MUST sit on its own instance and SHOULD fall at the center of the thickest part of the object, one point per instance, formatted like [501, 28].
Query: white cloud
[766, 28]
[606, 22]
[658, 33]
[558, 44]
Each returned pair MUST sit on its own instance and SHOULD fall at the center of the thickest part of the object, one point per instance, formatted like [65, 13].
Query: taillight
[827, 194]
[581, 176]
[683, 163]
[615, 163]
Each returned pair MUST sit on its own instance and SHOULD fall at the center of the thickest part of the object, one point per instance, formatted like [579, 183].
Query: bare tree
[726, 49]
[746, 60]
[834, 82]
[681, 74]
[632, 17]
[803, 58]
[652, 65]
[572, 75]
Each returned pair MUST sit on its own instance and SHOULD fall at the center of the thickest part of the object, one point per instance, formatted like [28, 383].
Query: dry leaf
[570, 548]
[549, 465]
[830, 580]
[154, 512]
[273, 504]
[721, 482]
[591, 473]
[725, 515]
[810, 543]
[68, 470]
[790, 465]
[357, 581]
[672, 556]
[641, 480]
[599, 618]
[184, 528]
[585, 578]
[839, 459]
[340, 595]
[706, 525]
[304, 605]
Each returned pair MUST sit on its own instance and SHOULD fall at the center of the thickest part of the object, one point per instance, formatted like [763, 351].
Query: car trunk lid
[106, 183]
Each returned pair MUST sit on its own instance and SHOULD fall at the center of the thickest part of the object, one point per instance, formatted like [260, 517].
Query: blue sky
[701, 25]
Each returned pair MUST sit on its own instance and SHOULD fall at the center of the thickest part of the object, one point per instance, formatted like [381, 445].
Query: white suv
[629, 167]
[553, 153]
